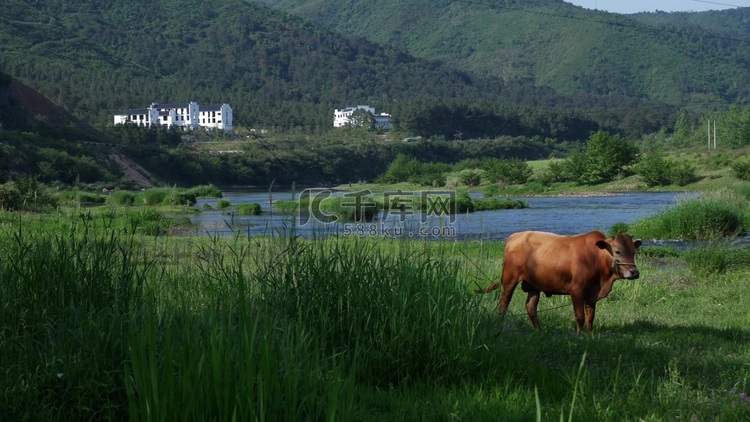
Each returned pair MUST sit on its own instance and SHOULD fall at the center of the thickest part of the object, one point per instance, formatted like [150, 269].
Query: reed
[99, 322]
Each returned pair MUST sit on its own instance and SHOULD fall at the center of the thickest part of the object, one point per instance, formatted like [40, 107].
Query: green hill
[278, 71]
[97, 58]
[550, 42]
[43, 140]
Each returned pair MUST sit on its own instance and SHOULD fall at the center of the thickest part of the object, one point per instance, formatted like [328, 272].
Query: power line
[717, 3]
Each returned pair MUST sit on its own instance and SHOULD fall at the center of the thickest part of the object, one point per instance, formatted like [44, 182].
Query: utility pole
[709, 135]
[714, 134]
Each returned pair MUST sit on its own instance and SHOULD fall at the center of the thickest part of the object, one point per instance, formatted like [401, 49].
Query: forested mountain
[694, 59]
[732, 23]
[41, 140]
[98, 58]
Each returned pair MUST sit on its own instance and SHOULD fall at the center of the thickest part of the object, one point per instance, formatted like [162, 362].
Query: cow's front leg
[590, 313]
[578, 308]
[532, 300]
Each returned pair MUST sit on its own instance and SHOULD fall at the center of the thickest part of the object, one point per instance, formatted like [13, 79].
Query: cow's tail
[491, 288]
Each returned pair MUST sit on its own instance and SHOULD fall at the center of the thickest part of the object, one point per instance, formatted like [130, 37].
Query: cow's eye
[618, 252]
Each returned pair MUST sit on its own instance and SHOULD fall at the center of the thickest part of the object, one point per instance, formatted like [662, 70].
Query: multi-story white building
[343, 117]
[216, 117]
[187, 116]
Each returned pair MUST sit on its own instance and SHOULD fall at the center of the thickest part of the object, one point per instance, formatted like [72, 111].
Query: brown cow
[583, 266]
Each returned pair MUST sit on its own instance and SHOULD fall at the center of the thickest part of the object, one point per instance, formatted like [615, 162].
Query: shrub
[499, 204]
[461, 203]
[511, 171]
[556, 171]
[222, 204]
[682, 174]
[122, 198]
[348, 208]
[23, 193]
[741, 170]
[206, 191]
[179, 197]
[656, 170]
[153, 197]
[490, 191]
[470, 178]
[10, 197]
[699, 219]
[249, 209]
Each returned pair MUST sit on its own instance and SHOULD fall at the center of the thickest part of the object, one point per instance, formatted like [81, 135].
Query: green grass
[714, 215]
[101, 323]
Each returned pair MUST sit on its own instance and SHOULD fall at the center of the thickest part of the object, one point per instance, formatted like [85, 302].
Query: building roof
[171, 105]
[210, 108]
[137, 111]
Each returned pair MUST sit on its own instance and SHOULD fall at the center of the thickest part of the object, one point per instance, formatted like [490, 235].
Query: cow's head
[622, 249]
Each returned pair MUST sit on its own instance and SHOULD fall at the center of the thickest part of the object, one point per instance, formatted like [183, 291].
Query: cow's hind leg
[510, 280]
[532, 300]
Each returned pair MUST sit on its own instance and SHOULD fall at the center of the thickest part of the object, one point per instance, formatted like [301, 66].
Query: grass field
[101, 323]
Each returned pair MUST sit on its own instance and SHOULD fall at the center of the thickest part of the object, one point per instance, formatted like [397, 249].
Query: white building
[187, 116]
[216, 117]
[343, 117]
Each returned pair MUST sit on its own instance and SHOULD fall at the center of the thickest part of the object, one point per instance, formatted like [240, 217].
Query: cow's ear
[602, 244]
[637, 243]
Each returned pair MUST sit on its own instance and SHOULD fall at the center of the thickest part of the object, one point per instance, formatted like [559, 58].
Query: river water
[562, 215]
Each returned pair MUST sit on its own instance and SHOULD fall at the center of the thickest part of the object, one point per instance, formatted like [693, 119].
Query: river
[563, 215]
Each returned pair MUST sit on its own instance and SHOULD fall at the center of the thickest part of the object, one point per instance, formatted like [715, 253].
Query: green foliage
[149, 221]
[697, 219]
[302, 71]
[556, 171]
[76, 197]
[222, 204]
[618, 228]
[713, 259]
[205, 191]
[470, 178]
[605, 158]
[696, 60]
[657, 170]
[49, 157]
[249, 209]
[122, 198]
[508, 171]
[153, 197]
[461, 203]
[741, 169]
[25, 194]
[281, 328]
[490, 191]
[499, 204]
[357, 208]
[405, 168]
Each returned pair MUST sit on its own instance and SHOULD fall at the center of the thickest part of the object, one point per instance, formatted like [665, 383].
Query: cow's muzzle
[627, 273]
[631, 275]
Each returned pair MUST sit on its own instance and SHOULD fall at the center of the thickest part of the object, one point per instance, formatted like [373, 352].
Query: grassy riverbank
[713, 170]
[104, 323]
